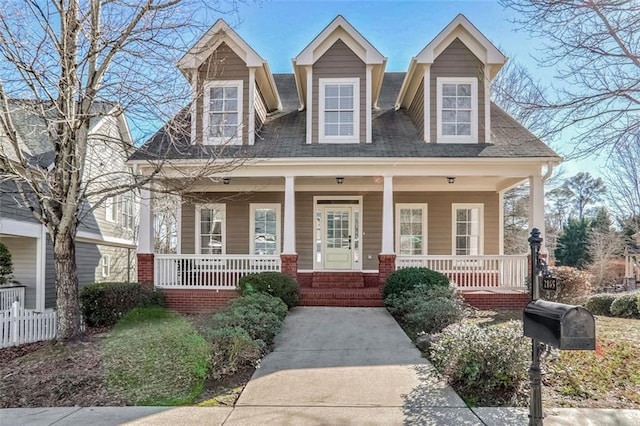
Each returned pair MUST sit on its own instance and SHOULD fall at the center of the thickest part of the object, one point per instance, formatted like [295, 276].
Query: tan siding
[339, 62]
[304, 229]
[372, 229]
[457, 61]
[223, 64]
[187, 231]
[439, 217]
[24, 256]
[416, 109]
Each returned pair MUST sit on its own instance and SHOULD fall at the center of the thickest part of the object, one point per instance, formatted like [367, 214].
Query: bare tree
[594, 48]
[72, 58]
[622, 177]
[606, 247]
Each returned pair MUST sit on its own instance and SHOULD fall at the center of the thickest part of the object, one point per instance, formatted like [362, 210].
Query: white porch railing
[209, 271]
[19, 325]
[468, 272]
[8, 295]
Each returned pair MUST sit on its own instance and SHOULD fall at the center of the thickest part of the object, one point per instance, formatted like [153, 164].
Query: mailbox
[563, 326]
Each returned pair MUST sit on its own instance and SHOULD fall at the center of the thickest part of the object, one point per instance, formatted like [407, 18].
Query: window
[411, 229]
[210, 229]
[222, 120]
[339, 105]
[457, 109]
[105, 265]
[128, 218]
[265, 229]
[468, 229]
[111, 209]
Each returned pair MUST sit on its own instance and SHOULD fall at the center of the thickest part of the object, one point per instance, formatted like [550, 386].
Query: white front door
[338, 237]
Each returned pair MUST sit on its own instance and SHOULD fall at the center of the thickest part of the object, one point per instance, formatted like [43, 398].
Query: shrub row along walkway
[330, 366]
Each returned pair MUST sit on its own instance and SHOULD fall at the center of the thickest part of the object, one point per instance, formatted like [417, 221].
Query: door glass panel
[356, 235]
[318, 236]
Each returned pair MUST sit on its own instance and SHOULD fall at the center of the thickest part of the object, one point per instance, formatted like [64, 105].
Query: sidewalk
[330, 366]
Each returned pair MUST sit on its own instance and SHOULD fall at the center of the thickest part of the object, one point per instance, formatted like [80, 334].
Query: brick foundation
[145, 268]
[386, 266]
[289, 265]
[198, 301]
[496, 301]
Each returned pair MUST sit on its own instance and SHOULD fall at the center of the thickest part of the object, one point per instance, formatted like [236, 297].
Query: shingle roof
[393, 135]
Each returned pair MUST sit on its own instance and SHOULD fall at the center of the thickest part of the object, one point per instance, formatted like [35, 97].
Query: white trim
[251, 119]
[487, 104]
[473, 81]
[289, 239]
[193, 110]
[179, 225]
[426, 110]
[368, 105]
[146, 243]
[355, 138]
[111, 209]
[223, 237]
[425, 222]
[480, 207]
[210, 140]
[309, 105]
[19, 228]
[103, 258]
[387, 216]
[92, 237]
[501, 223]
[41, 267]
[252, 229]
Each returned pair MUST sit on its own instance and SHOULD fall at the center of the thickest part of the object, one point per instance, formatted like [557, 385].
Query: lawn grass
[155, 357]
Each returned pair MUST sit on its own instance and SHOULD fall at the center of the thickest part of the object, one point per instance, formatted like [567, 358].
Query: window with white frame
[339, 105]
[111, 209]
[457, 112]
[128, 218]
[468, 224]
[210, 229]
[411, 229]
[105, 265]
[265, 229]
[223, 112]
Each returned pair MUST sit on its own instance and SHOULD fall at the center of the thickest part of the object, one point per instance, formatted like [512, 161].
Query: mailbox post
[535, 375]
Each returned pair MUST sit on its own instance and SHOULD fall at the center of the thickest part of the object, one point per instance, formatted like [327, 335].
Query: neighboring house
[352, 172]
[105, 243]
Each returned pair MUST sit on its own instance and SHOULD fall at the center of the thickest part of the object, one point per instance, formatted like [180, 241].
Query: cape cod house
[350, 171]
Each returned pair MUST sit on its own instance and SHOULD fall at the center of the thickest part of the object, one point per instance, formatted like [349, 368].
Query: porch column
[289, 257]
[145, 238]
[387, 258]
[536, 206]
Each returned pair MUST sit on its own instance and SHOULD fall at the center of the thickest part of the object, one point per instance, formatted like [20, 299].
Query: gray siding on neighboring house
[223, 64]
[23, 255]
[416, 109]
[457, 61]
[49, 277]
[11, 206]
[339, 62]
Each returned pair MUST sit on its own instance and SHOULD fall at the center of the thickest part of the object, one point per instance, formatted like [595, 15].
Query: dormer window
[457, 109]
[223, 112]
[339, 105]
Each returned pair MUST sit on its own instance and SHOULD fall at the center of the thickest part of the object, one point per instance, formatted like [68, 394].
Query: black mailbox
[563, 326]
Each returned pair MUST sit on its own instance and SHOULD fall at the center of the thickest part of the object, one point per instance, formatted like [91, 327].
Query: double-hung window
[105, 265]
[223, 112]
[411, 229]
[111, 209]
[468, 229]
[457, 112]
[265, 229]
[339, 105]
[128, 216]
[210, 229]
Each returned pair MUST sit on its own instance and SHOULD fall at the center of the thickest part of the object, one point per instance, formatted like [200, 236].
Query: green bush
[263, 302]
[103, 304]
[638, 302]
[426, 309]
[232, 349]
[482, 362]
[600, 304]
[273, 283]
[259, 324]
[406, 279]
[6, 266]
[155, 357]
[626, 305]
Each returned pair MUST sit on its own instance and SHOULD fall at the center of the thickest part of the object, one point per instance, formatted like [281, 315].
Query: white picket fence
[19, 326]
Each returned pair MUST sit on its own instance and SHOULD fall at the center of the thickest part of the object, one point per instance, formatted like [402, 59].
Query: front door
[338, 239]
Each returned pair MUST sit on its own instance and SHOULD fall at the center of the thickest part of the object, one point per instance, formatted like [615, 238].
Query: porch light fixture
[226, 180]
[340, 180]
[451, 179]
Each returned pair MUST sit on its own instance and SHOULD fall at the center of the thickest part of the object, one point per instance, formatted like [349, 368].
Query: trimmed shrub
[600, 304]
[626, 305]
[232, 349]
[426, 309]
[273, 283]
[6, 266]
[103, 304]
[406, 279]
[574, 285]
[263, 302]
[259, 324]
[482, 361]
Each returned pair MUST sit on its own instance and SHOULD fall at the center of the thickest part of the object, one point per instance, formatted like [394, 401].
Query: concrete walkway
[331, 366]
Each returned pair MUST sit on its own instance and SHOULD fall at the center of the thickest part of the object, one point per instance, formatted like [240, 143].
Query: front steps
[339, 289]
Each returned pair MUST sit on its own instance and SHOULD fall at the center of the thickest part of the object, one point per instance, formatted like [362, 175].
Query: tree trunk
[68, 305]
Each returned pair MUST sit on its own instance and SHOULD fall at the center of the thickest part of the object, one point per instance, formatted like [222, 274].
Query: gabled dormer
[232, 85]
[338, 77]
[457, 66]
